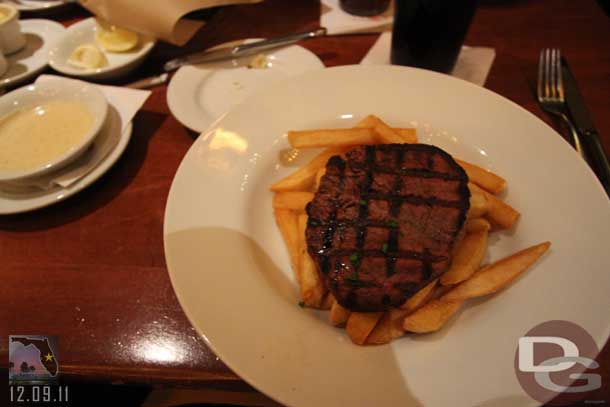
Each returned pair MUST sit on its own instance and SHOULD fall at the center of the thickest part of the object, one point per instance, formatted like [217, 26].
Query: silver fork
[550, 91]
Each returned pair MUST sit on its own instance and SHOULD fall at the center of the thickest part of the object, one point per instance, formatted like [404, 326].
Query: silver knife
[241, 50]
[582, 120]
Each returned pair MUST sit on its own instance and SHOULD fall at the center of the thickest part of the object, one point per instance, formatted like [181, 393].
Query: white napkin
[338, 21]
[123, 105]
[473, 63]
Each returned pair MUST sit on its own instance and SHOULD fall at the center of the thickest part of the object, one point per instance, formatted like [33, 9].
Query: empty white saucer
[199, 94]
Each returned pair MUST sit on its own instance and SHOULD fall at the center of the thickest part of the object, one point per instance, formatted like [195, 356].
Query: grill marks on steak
[383, 222]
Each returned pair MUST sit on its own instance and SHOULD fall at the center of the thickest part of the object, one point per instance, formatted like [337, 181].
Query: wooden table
[91, 269]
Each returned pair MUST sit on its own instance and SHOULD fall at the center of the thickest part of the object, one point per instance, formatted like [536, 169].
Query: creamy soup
[34, 136]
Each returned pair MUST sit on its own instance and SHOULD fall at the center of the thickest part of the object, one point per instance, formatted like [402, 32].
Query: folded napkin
[123, 104]
[473, 63]
[161, 19]
[338, 21]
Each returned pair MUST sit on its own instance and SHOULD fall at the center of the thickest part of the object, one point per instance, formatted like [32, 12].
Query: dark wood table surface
[91, 269]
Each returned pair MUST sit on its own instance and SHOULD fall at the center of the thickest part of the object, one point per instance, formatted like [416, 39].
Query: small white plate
[83, 32]
[11, 203]
[33, 58]
[36, 5]
[199, 94]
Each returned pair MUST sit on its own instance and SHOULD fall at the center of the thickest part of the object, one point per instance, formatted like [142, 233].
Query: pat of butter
[87, 56]
[259, 62]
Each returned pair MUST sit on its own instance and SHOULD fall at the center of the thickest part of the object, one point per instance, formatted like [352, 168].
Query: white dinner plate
[37, 5]
[11, 203]
[83, 32]
[231, 273]
[197, 95]
[33, 58]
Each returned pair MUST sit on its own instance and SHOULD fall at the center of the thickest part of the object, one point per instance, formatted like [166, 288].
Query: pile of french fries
[431, 307]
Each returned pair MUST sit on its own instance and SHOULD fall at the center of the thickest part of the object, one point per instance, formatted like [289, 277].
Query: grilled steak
[384, 221]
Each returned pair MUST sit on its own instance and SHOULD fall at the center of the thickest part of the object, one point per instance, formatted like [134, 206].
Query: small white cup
[11, 37]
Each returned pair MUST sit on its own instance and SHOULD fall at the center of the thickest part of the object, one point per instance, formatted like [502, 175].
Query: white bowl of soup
[47, 125]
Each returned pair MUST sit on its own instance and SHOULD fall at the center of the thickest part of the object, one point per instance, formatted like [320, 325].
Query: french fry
[303, 178]
[477, 225]
[327, 302]
[312, 289]
[408, 135]
[390, 325]
[431, 317]
[368, 121]
[288, 224]
[419, 298]
[439, 291]
[482, 177]
[387, 134]
[331, 137]
[295, 201]
[500, 213]
[467, 257]
[338, 315]
[479, 205]
[360, 324]
[319, 176]
[498, 275]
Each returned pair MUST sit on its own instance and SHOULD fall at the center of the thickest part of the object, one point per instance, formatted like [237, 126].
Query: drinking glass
[364, 7]
[429, 33]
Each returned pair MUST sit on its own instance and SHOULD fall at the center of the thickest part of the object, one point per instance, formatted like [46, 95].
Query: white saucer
[83, 32]
[199, 94]
[36, 5]
[11, 203]
[32, 59]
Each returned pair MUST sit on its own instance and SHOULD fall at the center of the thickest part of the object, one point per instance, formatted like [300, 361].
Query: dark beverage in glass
[364, 7]
[429, 33]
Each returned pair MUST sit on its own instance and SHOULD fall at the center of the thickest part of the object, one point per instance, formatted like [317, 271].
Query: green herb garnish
[363, 202]
[384, 248]
[392, 223]
[353, 277]
[354, 257]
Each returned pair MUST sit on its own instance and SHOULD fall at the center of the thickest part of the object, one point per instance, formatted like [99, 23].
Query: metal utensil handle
[279, 41]
[149, 82]
[597, 158]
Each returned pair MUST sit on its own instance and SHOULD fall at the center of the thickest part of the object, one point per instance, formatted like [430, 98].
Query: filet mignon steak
[384, 221]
